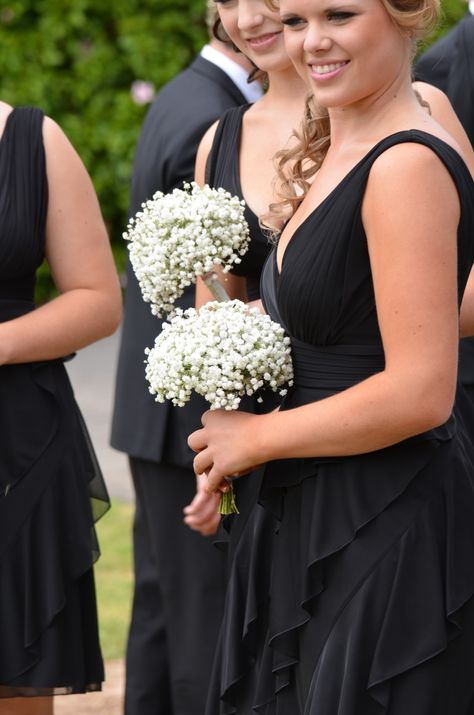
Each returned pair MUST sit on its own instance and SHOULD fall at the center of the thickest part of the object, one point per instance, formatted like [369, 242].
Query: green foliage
[77, 59]
[452, 11]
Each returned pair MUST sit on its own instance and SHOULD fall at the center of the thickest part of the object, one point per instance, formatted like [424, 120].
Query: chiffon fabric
[51, 488]
[351, 582]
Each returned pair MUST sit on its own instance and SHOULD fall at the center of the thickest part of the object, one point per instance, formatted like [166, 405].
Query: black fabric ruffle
[314, 543]
[51, 496]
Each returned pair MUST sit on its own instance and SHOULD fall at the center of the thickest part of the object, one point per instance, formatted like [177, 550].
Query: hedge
[77, 59]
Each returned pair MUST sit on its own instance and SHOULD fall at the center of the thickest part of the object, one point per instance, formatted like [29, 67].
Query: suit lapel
[213, 72]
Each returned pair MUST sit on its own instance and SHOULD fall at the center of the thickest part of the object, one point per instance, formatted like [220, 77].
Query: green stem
[227, 503]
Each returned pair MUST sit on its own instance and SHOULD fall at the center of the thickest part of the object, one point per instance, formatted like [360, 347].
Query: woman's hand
[202, 514]
[228, 445]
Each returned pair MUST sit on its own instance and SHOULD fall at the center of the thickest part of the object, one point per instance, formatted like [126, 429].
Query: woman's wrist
[264, 437]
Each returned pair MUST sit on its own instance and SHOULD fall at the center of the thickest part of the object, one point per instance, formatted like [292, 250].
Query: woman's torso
[324, 295]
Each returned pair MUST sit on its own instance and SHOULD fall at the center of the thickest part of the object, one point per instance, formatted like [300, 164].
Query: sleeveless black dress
[51, 489]
[223, 170]
[351, 585]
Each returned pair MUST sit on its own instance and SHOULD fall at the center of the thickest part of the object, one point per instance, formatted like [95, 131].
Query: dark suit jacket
[449, 65]
[165, 156]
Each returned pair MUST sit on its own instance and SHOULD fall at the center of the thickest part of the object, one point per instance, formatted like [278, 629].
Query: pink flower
[142, 92]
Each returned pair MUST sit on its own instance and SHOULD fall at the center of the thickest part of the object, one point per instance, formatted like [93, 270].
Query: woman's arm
[410, 214]
[235, 286]
[81, 263]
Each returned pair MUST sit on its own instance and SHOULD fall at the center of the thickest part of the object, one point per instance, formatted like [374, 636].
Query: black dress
[351, 585]
[51, 489]
[223, 170]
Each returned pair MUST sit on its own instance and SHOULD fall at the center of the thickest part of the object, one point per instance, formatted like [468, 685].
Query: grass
[114, 578]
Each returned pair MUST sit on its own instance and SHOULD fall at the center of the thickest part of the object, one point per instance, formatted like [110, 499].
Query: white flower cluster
[223, 352]
[179, 236]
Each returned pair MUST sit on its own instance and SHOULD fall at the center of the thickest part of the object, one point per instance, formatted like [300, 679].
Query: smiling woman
[237, 154]
[351, 585]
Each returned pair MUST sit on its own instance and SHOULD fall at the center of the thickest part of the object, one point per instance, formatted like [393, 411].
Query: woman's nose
[249, 15]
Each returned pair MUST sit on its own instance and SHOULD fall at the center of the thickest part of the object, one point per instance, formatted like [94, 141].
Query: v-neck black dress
[351, 585]
[51, 489]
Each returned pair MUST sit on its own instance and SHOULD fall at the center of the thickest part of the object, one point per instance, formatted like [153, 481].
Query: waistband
[334, 367]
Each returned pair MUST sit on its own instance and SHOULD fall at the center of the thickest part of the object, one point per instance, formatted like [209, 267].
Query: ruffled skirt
[351, 585]
[51, 494]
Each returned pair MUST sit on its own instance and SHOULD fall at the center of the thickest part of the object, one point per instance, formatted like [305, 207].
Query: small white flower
[223, 352]
[179, 236]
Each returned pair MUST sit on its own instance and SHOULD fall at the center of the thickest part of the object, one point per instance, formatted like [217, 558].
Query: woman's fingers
[216, 481]
[197, 441]
[202, 462]
[202, 514]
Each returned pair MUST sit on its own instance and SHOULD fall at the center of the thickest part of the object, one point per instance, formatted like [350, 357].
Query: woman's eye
[339, 16]
[293, 21]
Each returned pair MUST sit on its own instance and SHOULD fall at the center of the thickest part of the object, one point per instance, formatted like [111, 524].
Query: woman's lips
[262, 41]
[326, 70]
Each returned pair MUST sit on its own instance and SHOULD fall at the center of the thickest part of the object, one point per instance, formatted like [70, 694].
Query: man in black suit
[179, 575]
[449, 65]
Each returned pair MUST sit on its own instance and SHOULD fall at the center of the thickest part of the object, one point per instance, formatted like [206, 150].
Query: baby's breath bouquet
[179, 236]
[224, 352]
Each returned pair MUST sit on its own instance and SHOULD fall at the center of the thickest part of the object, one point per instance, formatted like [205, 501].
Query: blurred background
[94, 66]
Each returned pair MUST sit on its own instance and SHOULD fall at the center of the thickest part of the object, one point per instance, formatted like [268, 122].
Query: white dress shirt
[251, 91]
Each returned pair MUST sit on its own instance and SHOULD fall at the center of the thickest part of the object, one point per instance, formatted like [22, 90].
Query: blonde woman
[351, 586]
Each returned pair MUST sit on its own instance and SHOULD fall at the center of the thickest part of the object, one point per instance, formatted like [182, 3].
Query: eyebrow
[342, 6]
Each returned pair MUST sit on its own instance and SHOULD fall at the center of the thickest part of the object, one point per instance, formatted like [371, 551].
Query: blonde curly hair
[211, 15]
[295, 166]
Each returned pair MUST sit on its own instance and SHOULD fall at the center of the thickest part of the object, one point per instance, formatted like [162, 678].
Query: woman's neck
[390, 110]
[285, 88]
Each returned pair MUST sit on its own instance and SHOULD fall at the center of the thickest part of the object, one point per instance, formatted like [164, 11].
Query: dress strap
[223, 152]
